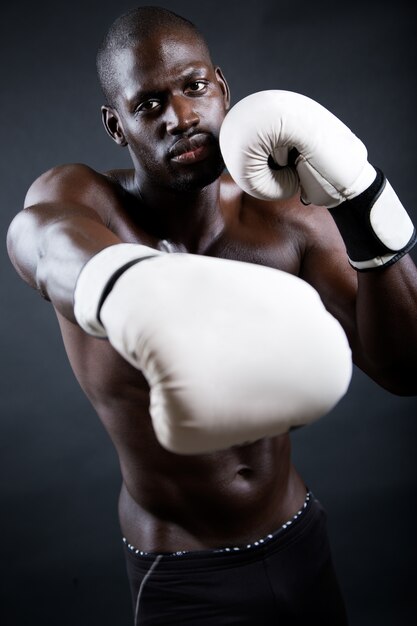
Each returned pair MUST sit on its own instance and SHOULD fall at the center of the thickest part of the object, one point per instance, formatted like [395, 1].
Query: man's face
[171, 103]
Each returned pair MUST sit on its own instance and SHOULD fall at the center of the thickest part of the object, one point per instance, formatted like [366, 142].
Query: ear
[112, 125]
[223, 86]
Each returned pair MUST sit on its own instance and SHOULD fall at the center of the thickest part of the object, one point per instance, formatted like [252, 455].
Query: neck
[189, 219]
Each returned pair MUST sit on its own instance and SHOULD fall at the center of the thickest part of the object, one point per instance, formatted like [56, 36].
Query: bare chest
[274, 244]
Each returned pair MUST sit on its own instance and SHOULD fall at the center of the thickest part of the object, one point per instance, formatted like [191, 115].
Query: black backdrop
[61, 554]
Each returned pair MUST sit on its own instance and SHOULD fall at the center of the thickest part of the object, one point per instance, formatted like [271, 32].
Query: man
[230, 535]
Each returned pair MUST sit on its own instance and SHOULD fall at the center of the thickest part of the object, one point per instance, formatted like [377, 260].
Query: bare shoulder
[74, 184]
[309, 222]
[62, 181]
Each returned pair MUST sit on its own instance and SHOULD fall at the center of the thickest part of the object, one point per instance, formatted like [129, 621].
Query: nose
[181, 115]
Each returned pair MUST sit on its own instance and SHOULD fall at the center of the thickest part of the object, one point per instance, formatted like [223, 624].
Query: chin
[197, 179]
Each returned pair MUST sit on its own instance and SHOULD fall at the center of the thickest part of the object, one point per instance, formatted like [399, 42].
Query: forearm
[48, 245]
[386, 325]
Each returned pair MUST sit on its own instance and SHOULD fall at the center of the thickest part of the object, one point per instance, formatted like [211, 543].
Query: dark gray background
[61, 555]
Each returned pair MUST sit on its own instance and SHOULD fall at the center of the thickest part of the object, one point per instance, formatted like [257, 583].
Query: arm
[57, 232]
[192, 324]
[377, 309]
[386, 313]
[278, 143]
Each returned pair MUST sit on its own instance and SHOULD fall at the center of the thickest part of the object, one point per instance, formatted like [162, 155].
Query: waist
[230, 517]
[311, 515]
[228, 549]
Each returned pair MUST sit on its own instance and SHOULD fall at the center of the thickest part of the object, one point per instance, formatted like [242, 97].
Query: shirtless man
[232, 535]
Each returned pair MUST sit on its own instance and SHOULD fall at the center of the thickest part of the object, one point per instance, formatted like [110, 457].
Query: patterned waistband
[248, 546]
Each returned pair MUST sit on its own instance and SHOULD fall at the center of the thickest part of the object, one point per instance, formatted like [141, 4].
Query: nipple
[245, 472]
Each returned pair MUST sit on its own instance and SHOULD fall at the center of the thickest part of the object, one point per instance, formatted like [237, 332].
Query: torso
[170, 502]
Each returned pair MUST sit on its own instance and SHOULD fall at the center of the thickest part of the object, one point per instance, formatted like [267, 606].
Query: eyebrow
[188, 74]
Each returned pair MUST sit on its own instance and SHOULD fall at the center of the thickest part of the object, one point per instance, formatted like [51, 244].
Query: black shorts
[285, 579]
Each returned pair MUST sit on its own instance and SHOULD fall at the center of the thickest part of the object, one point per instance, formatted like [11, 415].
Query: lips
[191, 149]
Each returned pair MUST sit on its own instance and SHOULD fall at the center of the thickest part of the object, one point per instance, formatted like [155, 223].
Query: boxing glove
[275, 143]
[232, 351]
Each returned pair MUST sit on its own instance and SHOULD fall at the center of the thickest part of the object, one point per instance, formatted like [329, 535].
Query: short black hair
[126, 31]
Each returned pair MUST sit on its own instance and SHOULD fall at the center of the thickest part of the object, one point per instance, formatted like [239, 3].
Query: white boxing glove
[275, 142]
[232, 351]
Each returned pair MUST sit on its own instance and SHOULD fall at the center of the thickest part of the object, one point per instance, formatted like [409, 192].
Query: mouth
[191, 149]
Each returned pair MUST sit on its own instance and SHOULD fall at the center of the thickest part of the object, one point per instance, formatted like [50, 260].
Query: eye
[197, 86]
[148, 105]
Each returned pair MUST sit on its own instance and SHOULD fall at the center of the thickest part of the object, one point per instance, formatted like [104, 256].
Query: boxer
[205, 319]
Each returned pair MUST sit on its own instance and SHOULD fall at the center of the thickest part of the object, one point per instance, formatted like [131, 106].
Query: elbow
[19, 248]
[400, 380]
[396, 373]
[405, 391]
[12, 243]
[10, 238]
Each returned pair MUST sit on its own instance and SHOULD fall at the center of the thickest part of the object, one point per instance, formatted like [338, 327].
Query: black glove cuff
[352, 218]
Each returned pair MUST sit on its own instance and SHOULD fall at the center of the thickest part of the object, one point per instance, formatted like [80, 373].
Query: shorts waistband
[278, 538]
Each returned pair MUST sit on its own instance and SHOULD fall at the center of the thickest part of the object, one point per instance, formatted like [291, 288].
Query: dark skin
[171, 90]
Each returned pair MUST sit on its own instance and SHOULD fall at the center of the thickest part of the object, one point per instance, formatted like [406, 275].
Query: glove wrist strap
[375, 226]
[98, 277]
